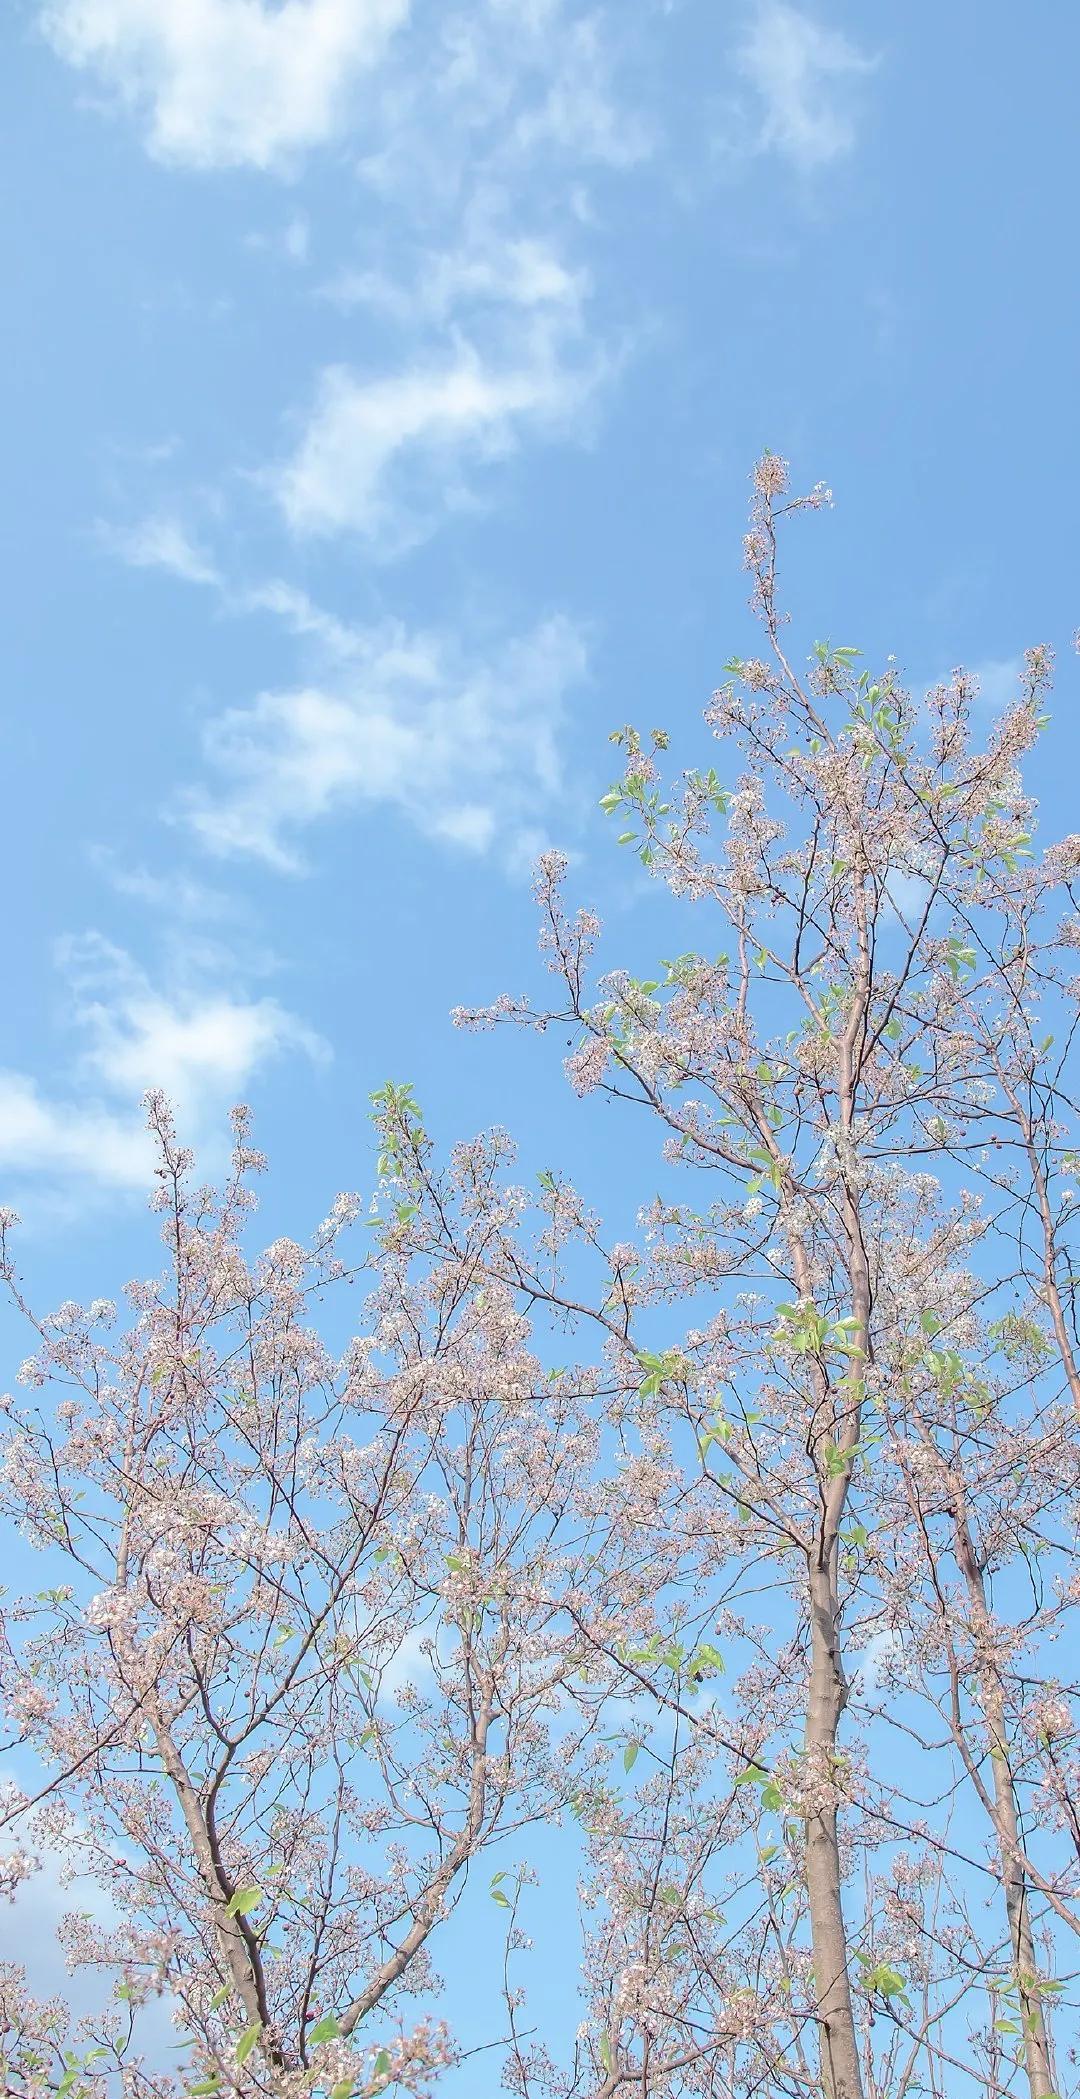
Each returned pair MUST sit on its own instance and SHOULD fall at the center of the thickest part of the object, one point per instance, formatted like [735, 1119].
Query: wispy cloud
[228, 83]
[578, 114]
[804, 75]
[467, 749]
[257, 83]
[385, 456]
[999, 680]
[483, 91]
[43, 1135]
[464, 740]
[160, 542]
[488, 344]
[495, 346]
[486, 268]
[198, 1040]
[477, 125]
[292, 240]
[995, 681]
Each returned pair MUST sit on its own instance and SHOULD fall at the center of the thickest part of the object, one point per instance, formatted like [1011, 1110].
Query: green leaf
[219, 1998]
[381, 2065]
[248, 2041]
[630, 1755]
[887, 1981]
[209, 2084]
[243, 1902]
[326, 2030]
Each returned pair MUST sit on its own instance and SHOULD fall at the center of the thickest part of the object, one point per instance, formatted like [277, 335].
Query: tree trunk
[1032, 2016]
[1036, 2039]
[841, 2077]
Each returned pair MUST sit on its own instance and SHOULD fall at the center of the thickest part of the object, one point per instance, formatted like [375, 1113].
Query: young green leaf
[243, 1902]
[248, 2041]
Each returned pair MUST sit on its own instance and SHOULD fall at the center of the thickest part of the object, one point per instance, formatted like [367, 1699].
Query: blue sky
[383, 381]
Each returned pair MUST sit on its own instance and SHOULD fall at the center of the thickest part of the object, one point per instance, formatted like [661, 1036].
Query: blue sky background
[382, 387]
[382, 384]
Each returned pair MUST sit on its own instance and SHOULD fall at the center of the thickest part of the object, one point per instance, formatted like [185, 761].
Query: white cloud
[228, 83]
[804, 75]
[383, 455]
[160, 542]
[1000, 681]
[43, 1900]
[292, 240]
[287, 602]
[506, 353]
[201, 1044]
[996, 681]
[163, 543]
[466, 750]
[43, 1136]
[194, 1042]
[486, 90]
[296, 239]
[477, 123]
[174, 896]
[872, 1665]
[578, 115]
[487, 268]
[380, 456]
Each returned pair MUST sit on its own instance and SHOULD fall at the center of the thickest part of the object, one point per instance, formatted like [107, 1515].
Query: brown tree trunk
[1018, 1909]
[841, 2077]
[1036, 2039]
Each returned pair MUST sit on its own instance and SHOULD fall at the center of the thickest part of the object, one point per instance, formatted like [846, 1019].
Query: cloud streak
[384, 456]
[804, 76]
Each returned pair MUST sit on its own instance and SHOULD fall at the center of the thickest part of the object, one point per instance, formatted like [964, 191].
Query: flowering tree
[301, 1657]
[770, 1599]
[870, 1428]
